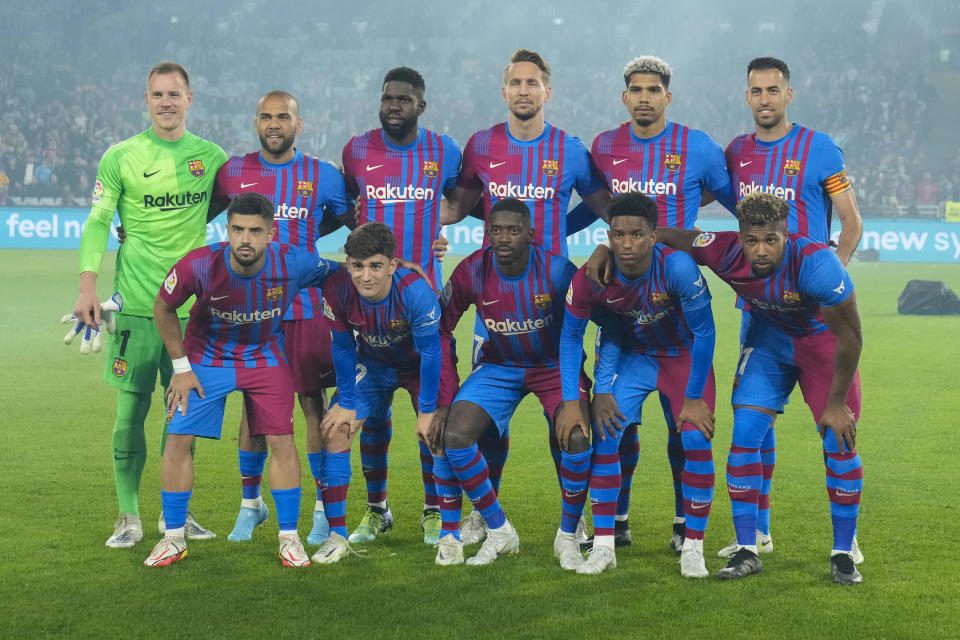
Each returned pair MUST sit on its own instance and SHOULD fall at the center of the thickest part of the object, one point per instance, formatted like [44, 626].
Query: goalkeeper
[160, 182]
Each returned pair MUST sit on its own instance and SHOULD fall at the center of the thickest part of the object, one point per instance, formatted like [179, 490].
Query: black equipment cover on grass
[928, 298]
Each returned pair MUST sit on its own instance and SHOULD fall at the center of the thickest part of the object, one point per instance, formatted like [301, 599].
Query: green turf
[58, 507]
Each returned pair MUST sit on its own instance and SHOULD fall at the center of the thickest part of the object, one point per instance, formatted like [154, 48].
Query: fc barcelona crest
[399, 325]
[791, 297]
[196, 168]
[791, 167]
[660, 298]
[550, 167]
[274, 293]
[305, 188]
[119, 367]
[542, 300]
[430, 168]
[672, 161]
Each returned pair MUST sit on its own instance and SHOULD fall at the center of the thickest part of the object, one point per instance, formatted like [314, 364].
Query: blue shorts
[376, 385]
[498, 389]
[267, 398]
[646, 374]
[771, 363]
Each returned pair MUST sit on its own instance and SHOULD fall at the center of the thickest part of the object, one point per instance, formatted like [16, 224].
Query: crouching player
[233, 343]
[517, 288]
[393, 313]
[804, 327]
[666, 337]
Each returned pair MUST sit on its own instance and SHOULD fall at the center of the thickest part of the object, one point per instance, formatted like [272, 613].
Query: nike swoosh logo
[699, 505]
[621, 160]
[132, 455]
[739, 282]
[743, 164]
[214, 299]
[147, 175]
[244, 185]
[609, 301]
[358, 324]
[372, 167]
[494, 165]
[486, 302]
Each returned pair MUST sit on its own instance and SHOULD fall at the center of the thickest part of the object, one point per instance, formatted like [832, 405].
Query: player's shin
[574, 477]
[604, 487]
[451, 496]
[374, 446]
[129, 448]
[471, 470]
[745, 472]
[768, 457]
[336, 481]
[844, 474]
[698, 481]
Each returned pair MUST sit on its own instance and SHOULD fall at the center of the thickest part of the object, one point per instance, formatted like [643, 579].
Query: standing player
[233, 342]
[806, 169]
[385, 324]
[531, 160]
[398, 174]
[666, 335]
[159, 181]
[674, 165]
[517, 288]
[804, 327]
[308, 196]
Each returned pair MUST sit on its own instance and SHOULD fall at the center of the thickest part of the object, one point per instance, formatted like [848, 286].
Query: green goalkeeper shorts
[135, 355]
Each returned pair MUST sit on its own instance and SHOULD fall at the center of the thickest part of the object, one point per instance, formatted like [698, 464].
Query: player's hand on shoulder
[600, 265]
[697, 412]
[438, 427]
[440, 246]
[178, 393]
[413, 266]
[841, 421]
[606, 414]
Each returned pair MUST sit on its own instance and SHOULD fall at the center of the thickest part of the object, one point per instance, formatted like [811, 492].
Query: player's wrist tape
[181, 365]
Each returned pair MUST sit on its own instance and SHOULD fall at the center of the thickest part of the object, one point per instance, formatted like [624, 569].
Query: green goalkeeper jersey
[161, 190]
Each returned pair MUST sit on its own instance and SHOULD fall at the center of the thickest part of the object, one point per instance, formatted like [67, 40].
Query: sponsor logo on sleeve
[704, 239]
[171, 282]
[840, 288]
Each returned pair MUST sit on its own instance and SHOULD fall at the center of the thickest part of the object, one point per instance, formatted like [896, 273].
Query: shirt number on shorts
[744, 356]
[125, 334]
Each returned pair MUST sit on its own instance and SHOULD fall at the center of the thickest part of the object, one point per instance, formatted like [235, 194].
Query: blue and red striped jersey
[384, 330]
[522, 315]
[650, 307]
[542, 172]
[301, 190]
[673, 168]
[805, 168]
[236, 319]
[402, 187]
[789, 299]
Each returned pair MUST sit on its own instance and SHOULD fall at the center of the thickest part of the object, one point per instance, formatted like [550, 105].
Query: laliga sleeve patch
[171, 282]
[704, 239]
[97, 191]
[570, 294]
[327, 311]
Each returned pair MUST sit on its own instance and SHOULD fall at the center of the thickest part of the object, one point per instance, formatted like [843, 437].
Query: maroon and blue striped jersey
[236, 319]
[384, 330]
[542, 172]
[301, 190]
[789, 299]
[402, 187]
[673, 168]
[523, 315]
[651, 307]
[805, 168]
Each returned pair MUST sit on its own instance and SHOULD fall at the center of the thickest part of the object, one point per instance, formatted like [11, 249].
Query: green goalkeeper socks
[129, 448]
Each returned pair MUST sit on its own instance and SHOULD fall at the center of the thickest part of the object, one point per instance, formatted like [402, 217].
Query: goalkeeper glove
[91, 337]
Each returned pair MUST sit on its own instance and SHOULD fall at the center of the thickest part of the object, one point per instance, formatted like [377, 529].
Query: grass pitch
[58, 507]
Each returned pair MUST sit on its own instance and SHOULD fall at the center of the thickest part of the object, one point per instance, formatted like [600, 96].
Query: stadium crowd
[866, 92]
